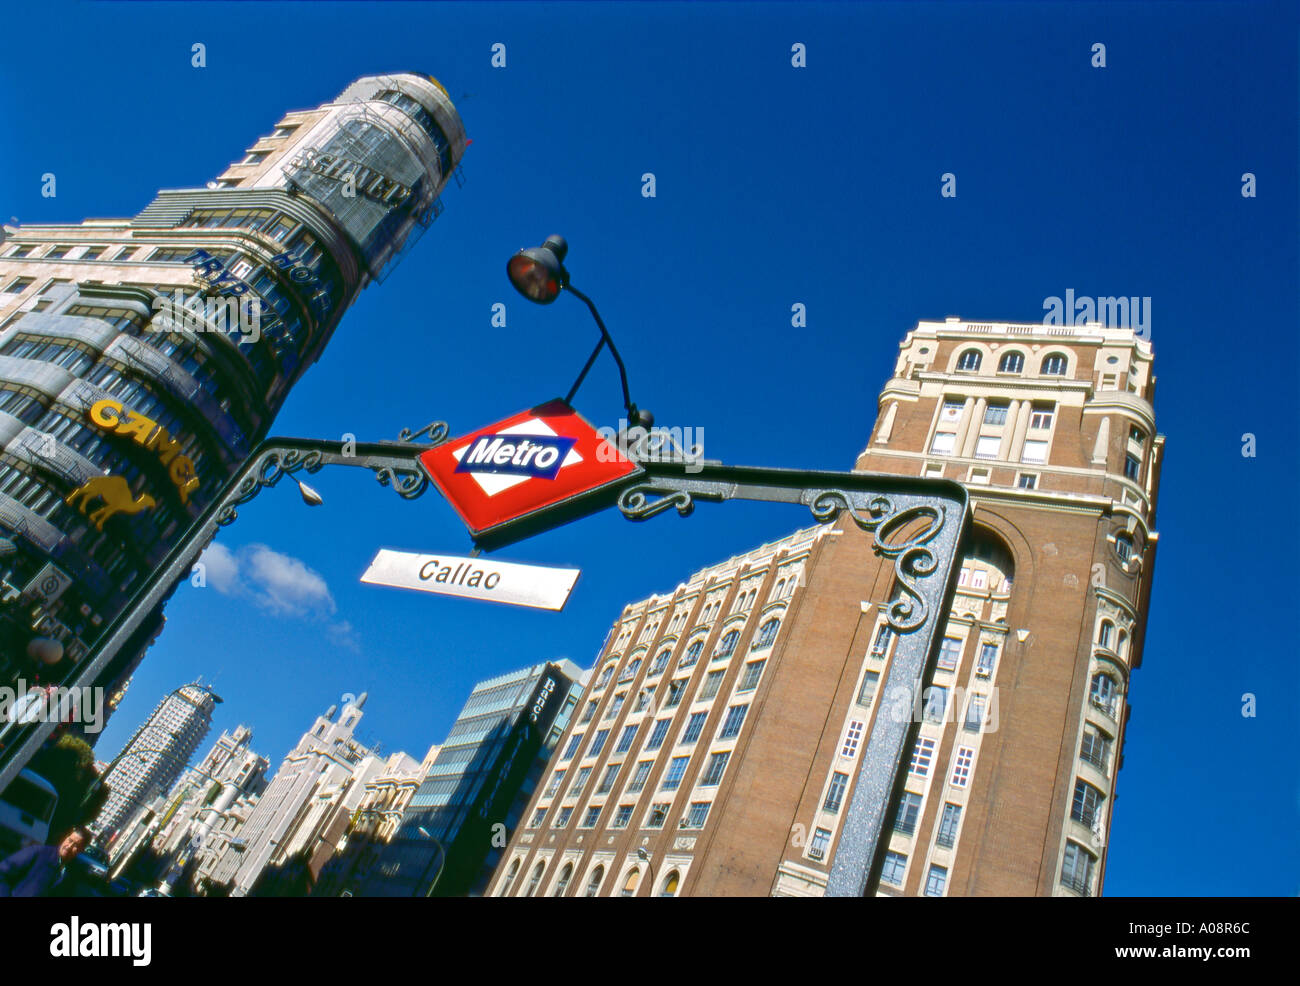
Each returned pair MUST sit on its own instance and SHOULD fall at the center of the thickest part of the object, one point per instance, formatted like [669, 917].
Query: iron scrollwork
[271, 467]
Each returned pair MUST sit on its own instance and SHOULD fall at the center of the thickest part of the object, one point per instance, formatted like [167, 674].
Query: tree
[69, 765]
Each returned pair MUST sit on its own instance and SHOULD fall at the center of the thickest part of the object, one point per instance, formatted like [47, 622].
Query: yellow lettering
[164, 445]
[104, 413]
[187, 489]
[137, 426]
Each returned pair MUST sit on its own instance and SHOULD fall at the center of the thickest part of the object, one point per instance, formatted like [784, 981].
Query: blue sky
[775, 185]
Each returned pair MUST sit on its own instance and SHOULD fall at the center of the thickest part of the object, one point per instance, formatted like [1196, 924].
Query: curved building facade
[141, 360]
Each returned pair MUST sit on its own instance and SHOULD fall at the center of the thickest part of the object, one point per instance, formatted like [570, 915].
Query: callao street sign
[473, 578]
[534, 470]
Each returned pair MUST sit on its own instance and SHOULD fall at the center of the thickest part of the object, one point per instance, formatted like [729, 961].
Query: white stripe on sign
[473, 578]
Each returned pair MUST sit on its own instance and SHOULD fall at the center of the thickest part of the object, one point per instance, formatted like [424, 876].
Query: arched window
[1103, 638]
[1011, 363]
[605, 676]
[593, 884]
[661, 661]
[535, 879]
[630, 671]
[630, 884]
[670, 884]
[510, 878]
[969, 360]
[1121, 648]
[1054, 365]
[1124, 547]
[780, 589]
[728, 645]
[565, 876]
[1104, 692]
[767, 634]
[692, 654]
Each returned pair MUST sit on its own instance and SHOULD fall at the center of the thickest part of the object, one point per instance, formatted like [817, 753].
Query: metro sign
[532, 471]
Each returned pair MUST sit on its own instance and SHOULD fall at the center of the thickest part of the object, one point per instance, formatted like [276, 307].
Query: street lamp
[539, 274]
[644, 856]
[441, 852]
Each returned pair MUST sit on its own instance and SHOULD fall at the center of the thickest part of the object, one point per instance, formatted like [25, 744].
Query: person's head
[73, 843]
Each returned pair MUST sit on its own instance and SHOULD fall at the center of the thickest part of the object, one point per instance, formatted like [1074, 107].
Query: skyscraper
[719, 743]
[142, 359]
[156, 754]
[455, 827]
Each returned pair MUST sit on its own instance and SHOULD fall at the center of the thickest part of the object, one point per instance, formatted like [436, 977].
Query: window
[996, 414]
[538, 815]
[19, 285]
[1076, 870]
[1103, 637]
[1095, 748]
[947, 834]
[563, 884]
[562, 819]
[661, 662]
[621, 817]
[835, 793]
[1103, 693]
[675, 689]
[909, 810]
[976, 713]
[535, 879]
[1124, 547]
[607, 779]
[588, 712]
[820, 842]
[936, 881]
[922, 754]
[19, 252]
[988, 658]
[735, 719]
[694, 727]
[57, 252]
[643, 698]
[867, 693]
[574, 741]
[1034, 452]
[657, 734]
[852, 739]
[969, 360]
[951, 411]
[881, 644]
[949, 653]
[625, 739]
[598, 743]
[91, 253]
[616, 705]
[1011, 363]
[943, 443]
[1136, 436]
[639, 776]
[658, 814]
[712, 681]
[696, 815]
[1041, 416]
[692, 654]
[579, 782]
[1054, 365]
[670, 884]
[1027, 481]
[1132, 467]
[986, 447]
[255, 157]
[556, 780]
[604, 677]
[749, 680]
[713, 772]
[895, 866]
[1086, 804]
[767, 634]
[961, 766]
[597, 875]
[936, 703]
[728, 645]
[593, 815]
[630, 671]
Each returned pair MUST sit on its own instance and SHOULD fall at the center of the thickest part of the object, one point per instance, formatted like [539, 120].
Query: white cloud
[220, 569]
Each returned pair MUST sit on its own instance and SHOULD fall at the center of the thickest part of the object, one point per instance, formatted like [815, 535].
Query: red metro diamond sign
[535, 470]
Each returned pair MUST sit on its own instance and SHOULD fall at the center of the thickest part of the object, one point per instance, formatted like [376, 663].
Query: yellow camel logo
[115, 493]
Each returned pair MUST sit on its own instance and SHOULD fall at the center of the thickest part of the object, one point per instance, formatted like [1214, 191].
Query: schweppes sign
[147, 433]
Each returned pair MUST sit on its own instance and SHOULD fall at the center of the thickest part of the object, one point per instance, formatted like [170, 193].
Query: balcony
[1081, 885]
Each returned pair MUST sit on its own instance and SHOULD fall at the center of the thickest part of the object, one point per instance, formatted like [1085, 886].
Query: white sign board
[473, 578]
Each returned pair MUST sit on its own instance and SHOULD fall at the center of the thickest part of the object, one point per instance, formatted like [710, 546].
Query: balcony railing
[1081, 885]
[944, 840]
